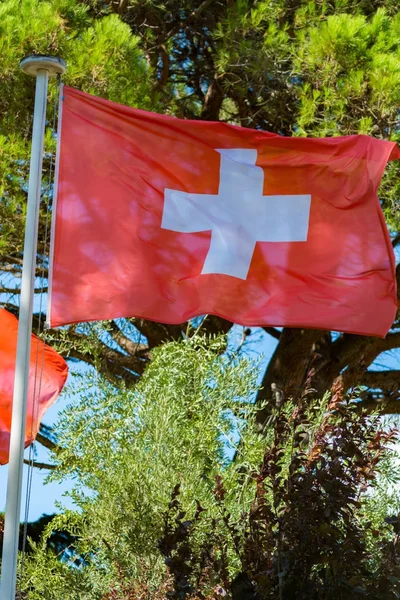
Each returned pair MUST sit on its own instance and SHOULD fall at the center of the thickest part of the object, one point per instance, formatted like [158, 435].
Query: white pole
[41, 67]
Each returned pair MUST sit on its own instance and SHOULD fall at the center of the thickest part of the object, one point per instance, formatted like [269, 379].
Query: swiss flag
[48, 372]
[166, 219]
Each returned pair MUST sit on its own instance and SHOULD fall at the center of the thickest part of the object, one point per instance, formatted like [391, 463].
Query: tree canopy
[294, 67]
[309, 511]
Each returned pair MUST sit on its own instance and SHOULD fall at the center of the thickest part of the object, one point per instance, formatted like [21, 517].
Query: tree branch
[357, 352]
[164, 71]
[387, 381]
[396, 240]
[386, 404]
[289, 365]
[39, 465]
[383, 391]
[398, 284]
[46, 442]
[157, 333]
[212, 101]
[125, 343]
[203, 6]
[108, 360]
[214, 325]
[391, 342]
[272, 331]
[14, 260]
[17, 290]
[10, 268]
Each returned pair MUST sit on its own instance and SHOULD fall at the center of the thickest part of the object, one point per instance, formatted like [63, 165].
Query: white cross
[238, 216]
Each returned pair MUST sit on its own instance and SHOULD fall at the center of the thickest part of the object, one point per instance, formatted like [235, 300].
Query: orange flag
[51, 375]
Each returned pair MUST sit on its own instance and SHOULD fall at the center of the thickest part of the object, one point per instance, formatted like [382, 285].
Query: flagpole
[41, 67]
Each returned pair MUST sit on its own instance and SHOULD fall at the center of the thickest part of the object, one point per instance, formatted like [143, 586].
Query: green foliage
[126, 449]
[316, 530]
[305, 511]
[103, 58]
[350, 68]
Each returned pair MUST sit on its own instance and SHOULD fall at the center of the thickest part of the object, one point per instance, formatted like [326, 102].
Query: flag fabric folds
[46, 366]
[166, 219]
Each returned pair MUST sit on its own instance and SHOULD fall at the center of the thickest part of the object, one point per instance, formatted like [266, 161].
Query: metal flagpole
[41, 67]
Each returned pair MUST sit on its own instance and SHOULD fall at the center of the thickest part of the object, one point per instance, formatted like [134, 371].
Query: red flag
[166, 219]
[53, 375]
